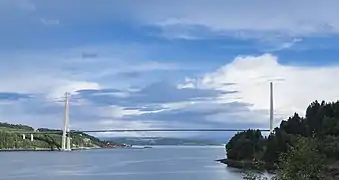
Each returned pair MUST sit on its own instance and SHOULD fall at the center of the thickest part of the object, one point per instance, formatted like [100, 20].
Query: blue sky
[165, 64]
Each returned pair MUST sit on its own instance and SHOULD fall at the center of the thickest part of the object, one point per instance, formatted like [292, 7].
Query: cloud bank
[144, 65]
[235, 95]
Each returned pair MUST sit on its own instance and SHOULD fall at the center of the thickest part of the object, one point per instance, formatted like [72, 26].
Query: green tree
[320, 124]
[245, 145]
[302, 162]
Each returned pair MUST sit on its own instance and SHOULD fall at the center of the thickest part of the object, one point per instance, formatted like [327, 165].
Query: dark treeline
[49, 130]
[321, 124]
[16, 126]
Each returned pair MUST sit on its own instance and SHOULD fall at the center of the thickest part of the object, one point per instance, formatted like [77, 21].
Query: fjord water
[165, 163]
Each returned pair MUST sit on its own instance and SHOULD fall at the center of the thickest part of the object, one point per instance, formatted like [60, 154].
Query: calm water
[165, 163]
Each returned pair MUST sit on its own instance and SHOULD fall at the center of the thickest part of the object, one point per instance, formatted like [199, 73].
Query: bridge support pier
[23, 136]
[66, 141]
[32, 137]
[271, 108]
[68, 145]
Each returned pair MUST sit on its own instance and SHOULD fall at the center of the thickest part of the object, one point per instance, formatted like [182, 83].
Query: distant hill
[15, 141]
[143, 141]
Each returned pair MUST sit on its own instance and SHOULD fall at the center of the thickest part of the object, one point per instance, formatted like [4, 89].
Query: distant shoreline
[27, 149]
[73, 149]
[49, 149]
[102, 148]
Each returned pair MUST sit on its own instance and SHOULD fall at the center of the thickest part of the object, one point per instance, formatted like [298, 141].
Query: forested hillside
[10, 140]
[320, 124]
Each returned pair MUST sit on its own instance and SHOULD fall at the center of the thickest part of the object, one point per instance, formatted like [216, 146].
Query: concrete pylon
[32, 137]
[65, 133]
[23, 136]
[271, 108]
[68, 138]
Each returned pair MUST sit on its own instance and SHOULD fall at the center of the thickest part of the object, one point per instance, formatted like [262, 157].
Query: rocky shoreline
[332, 170]
[248, 164]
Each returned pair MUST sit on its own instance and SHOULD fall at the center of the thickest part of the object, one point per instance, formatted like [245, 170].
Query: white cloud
[51, 84]
[25, 5]
[60, 88]
[49, 74]
[119, 124]
[278, 45]
[296, 89]
[53, 72]
[118, 112]
[287, 45]
[49, 21]
[249, 75]
[302, 17]
[116, 123]
[292, 17]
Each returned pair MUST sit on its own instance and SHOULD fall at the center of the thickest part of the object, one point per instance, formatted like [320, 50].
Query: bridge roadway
[135, 130]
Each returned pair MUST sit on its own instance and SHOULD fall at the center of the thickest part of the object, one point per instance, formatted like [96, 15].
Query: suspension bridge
[66, 132]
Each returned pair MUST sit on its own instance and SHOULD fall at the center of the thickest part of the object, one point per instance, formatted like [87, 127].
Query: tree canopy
[321, 124]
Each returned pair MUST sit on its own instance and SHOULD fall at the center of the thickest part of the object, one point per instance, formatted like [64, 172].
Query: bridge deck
[136, 130]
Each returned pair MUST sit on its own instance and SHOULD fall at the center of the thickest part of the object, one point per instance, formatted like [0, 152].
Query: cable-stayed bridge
[135, 130]
[66, 140]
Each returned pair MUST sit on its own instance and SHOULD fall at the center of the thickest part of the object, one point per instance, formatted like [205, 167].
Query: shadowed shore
[247, 164]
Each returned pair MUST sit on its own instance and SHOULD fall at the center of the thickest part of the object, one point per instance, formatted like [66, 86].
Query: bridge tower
[271, 108]
[68, 138]
[65, 142]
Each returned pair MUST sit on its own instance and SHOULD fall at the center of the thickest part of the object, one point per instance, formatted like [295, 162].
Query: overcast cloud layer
[197, 64]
